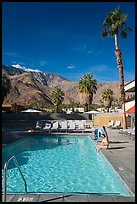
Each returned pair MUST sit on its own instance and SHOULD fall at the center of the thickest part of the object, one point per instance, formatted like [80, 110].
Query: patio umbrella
[31, 111]
[92, 111]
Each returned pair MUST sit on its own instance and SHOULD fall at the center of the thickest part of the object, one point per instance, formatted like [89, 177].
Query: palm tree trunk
[86, 107]
[122, 91]
[121, 74]
[56, 108]
[116, 41]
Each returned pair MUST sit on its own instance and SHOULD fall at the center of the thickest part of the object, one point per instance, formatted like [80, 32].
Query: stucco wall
[103, 119]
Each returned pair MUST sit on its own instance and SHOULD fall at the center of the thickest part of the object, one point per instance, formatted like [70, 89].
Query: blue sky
[64, 38]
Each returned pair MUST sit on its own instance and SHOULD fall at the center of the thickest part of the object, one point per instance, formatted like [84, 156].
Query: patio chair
[71, 125]
[38, 125]
[130, 132]
[55, 126]
[63, 125]
[92, 129]
[117, 124]
[47, 126]
[110, 123]
[125, 131]
[81, 125]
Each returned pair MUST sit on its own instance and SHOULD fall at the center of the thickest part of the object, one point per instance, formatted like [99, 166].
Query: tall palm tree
[57, 98]
[87, 86]
[107, 98]
[112, 25]
[6, 86]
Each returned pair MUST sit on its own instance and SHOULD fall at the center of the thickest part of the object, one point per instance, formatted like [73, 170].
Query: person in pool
[105, 141]
[30, 130]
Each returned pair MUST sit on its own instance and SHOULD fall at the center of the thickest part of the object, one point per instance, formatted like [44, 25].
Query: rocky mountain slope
[29, 86]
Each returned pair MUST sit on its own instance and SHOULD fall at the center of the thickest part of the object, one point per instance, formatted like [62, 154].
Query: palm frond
[123, 17]
[117, 10]
[123, 34]
[128, 29]
[104, 33]
[107, 21]
[87, 86]
[115, 22]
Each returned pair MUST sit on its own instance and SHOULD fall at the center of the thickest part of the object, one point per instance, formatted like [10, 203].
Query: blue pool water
[61, 164]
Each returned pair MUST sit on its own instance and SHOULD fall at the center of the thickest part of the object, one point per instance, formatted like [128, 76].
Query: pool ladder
[5, 175]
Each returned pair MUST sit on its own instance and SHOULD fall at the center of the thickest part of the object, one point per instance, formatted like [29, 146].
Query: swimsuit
[105, 142]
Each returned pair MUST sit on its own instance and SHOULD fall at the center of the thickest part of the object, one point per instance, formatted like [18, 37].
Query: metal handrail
[5, 173]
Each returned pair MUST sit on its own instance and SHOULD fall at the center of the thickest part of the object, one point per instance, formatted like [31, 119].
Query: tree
[57, 98]
[112, 25]
[115, 103]
[107, 98]
[6, 86]
[87, 86]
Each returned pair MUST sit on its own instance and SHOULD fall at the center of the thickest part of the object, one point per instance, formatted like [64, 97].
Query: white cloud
[84, 49]
[71, 67]
[99, 68]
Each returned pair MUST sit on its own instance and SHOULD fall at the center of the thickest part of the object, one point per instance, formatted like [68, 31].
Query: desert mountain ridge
[30, 86]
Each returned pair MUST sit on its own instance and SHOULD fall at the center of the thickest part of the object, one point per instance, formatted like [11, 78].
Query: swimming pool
[61, 164]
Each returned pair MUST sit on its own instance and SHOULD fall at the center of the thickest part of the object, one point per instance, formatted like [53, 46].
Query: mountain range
[30, 86]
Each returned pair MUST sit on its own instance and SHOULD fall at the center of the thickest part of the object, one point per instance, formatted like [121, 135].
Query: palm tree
[6, 86]
[112, 25]
[87, 86]
[116, 104]
[57, 98]
[107, 98]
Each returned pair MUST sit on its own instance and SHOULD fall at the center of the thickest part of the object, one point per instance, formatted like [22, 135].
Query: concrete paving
[121, 155]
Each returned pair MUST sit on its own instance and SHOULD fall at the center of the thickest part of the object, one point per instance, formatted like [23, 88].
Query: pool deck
[121, 155]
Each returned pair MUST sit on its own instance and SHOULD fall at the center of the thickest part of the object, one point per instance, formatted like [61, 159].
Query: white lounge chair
[92, 129]
[55, 126]
[47, 126]
[38, 125]
[130, 132]
[71, 125]
[117, 124]
[63, 125]
[81, 125]
[125, 131]
[111, 123]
